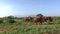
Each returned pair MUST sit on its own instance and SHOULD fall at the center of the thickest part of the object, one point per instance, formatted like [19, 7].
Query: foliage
[11, 21]
[21, 27]
[39, 15]
[1, 20]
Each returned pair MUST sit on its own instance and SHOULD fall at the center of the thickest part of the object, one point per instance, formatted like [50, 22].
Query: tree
[10, 17]
[40, 15]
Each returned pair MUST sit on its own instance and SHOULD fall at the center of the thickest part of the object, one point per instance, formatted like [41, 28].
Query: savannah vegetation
[15, 25]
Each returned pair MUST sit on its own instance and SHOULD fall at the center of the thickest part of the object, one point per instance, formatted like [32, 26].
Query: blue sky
[29, 7]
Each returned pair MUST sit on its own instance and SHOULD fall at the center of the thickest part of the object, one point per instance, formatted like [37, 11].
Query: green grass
[20, 27]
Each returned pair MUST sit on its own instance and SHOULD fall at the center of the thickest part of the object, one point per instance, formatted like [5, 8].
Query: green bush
[11, 21]
[1, 20]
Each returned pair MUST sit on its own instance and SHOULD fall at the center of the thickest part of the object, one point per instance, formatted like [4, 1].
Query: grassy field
[21, 27]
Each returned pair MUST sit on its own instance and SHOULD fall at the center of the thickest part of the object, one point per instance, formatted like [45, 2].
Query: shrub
[11, 21]
[1, 20]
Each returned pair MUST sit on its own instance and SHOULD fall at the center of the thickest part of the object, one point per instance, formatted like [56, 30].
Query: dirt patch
[5, 30]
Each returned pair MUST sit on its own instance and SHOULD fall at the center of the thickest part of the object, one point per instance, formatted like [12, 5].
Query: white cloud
[5, 10]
